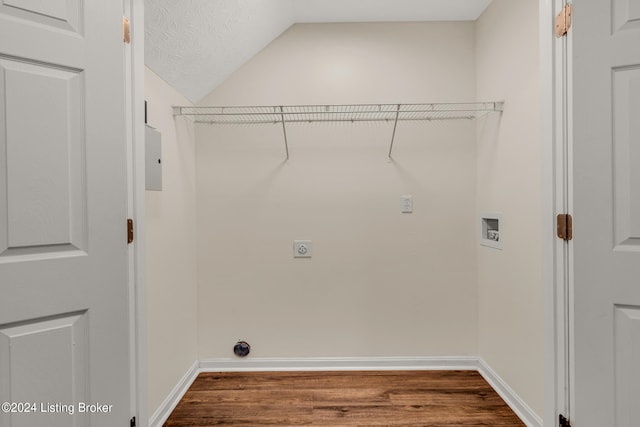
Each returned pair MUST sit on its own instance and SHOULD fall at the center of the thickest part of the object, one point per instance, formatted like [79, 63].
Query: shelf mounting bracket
[284, 132]
[395, 125]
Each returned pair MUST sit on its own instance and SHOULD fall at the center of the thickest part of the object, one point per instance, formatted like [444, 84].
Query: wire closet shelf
[283, 114]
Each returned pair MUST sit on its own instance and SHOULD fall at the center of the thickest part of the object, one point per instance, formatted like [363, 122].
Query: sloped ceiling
[194, 45]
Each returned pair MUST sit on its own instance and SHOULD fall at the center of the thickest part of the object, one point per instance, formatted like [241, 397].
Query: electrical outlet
[302, 248]
[406, 204]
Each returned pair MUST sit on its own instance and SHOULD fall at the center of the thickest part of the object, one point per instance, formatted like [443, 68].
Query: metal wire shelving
[283, 114]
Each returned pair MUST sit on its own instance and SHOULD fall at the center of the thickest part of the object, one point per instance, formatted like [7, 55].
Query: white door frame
[134, 75]
[556, 175]
[554, 67]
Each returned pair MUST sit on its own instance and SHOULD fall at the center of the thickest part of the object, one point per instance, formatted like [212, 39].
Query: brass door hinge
[565, 226]
[126, 30]
[129, 230]
[563, 21]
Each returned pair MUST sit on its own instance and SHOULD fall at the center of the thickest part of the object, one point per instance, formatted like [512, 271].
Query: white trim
[134, 75]
[134, 102]
[568, 335]
[561, 342]
[171, 401]
[554, 173]
[517, 405]
[339, 364]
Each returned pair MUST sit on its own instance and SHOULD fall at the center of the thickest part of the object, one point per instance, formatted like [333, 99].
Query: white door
[605, 56]
[64, 319]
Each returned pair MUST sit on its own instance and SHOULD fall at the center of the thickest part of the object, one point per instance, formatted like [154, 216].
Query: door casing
[555, 84]
[556, 265]
[134, 74]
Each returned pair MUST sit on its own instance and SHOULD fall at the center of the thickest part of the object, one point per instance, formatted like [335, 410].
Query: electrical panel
[153, 155]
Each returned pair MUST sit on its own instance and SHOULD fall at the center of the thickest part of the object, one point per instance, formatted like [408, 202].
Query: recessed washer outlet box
[491, 230]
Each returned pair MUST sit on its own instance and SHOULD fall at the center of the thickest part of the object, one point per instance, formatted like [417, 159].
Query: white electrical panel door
[153, 155]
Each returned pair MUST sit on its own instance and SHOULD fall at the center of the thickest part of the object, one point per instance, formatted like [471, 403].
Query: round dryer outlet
[241, 349]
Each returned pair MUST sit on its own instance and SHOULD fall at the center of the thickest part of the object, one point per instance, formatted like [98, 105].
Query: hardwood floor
[366, 398]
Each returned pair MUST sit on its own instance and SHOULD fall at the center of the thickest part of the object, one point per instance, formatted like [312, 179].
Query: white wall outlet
[406, 204]
[302, 248]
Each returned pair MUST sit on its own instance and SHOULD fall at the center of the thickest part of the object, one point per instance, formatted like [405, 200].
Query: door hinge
[129, 230]
[126, 30]
[132, 422]
[563, 20]
[565, 226]
[564, 421]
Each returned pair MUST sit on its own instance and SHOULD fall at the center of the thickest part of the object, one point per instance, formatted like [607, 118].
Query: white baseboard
[338, 364]
[522, 410]
[517, 405]
[171, 401]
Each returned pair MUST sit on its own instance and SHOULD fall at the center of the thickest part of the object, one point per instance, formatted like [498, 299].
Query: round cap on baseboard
[241, 349]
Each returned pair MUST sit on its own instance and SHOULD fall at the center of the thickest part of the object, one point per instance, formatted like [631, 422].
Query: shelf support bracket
[284, 132]
[395, 125]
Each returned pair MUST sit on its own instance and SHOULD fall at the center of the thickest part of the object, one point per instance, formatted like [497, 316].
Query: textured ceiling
[387, 10]
[194, 45]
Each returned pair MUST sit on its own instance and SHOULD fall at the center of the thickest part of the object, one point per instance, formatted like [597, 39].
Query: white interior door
[605, 58]
[64, 313]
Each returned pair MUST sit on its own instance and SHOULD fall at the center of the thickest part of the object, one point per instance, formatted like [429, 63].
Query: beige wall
[380, 283]
[509, 181]
[171, 248]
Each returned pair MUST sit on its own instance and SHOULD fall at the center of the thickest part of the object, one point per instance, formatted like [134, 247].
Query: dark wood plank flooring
[364, 398]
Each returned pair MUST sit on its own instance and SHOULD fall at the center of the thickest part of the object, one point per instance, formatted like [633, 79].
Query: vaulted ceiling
[195, 45]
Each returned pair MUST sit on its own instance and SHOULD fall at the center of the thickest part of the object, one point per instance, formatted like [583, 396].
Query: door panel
[65, 14]
[44, 181]
[627, 365]
[64, 293]
[605, 142]
[626, 134]
[58, 373]
[626, 14]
